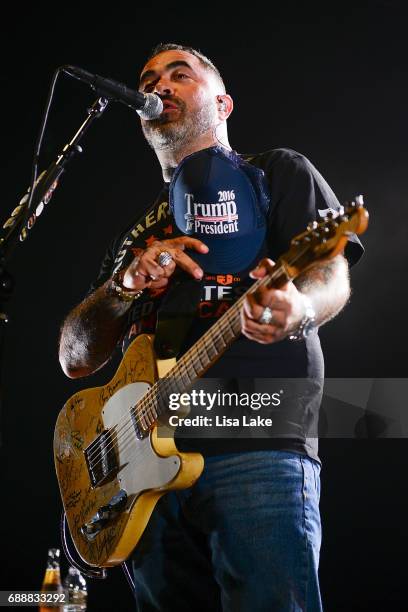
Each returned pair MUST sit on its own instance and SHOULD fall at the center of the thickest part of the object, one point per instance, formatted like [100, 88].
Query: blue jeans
[245, 538]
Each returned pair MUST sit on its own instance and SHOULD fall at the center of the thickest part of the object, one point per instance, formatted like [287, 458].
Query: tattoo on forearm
[91, 332]
[327, 284]
[319, 274]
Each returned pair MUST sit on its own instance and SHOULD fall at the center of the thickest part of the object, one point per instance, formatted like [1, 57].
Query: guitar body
[110, 483]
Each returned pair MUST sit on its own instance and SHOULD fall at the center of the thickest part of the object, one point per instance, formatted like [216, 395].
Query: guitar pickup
[104, 515]
[101, 459]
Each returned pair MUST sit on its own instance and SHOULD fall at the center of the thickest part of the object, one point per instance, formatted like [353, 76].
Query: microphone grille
[153, 107]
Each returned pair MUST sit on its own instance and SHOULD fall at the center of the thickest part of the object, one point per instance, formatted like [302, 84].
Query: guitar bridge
[101, 459]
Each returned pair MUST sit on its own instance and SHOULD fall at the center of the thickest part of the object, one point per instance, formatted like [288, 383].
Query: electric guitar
[114, 458]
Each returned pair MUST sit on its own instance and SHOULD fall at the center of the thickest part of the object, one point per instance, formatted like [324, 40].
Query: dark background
[327, 80]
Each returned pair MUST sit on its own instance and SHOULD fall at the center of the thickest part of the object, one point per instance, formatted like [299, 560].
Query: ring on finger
[266, 317]
[164, 259]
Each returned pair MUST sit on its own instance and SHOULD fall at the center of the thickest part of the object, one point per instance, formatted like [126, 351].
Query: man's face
[189, 93]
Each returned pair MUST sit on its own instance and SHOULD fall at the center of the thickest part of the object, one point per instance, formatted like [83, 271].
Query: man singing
[247, 535]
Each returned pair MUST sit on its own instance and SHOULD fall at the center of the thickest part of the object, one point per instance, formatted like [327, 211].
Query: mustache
[181, 105]
[176, 101]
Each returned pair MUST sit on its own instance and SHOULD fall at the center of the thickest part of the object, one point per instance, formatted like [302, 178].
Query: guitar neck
[208, 349]
[321, 241]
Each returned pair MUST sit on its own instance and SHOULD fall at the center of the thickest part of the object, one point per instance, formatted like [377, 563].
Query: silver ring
[164, 259]
[266, 317]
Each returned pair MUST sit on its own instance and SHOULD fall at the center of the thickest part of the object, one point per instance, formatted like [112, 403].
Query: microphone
[149, 106]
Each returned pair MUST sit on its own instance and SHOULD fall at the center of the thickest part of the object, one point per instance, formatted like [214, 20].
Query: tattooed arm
[92, 330]
[326, 285]
[90, 333]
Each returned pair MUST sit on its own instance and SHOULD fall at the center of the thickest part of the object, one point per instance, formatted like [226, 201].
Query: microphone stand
[21, 221]
[17, 228]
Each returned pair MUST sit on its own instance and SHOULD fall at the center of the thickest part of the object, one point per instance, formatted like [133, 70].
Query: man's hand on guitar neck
[326, 287]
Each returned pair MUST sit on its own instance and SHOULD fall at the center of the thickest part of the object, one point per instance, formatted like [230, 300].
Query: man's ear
[225, 106]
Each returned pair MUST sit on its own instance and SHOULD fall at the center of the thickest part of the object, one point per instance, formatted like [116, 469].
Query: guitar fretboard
[199, 358]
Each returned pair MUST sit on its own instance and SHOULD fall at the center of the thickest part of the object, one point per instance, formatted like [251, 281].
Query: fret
[185, 378]
[206, 347]
[191, 370]
[229, 331]
[235, 318]
[211, 345]
[168, 386]
[235, 324]
[175, 373]
[200, 360]
[165, 388]
[211, 351]
[172, 384]
[219, 342]
[202, 355]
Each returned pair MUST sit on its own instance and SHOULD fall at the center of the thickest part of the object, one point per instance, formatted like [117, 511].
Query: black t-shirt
[298, 195]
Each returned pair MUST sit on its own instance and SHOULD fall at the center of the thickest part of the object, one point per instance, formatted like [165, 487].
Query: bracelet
[307, 323]
[117, 289]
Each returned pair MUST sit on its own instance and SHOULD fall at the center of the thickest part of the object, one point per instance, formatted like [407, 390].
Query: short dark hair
[207, 63]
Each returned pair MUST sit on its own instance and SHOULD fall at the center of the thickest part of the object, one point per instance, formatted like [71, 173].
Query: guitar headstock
[328, 238]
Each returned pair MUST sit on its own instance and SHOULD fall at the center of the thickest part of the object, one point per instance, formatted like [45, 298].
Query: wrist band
[116, 288]
[307, 323]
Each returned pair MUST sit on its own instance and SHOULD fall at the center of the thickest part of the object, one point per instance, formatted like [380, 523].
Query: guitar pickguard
[140, 467]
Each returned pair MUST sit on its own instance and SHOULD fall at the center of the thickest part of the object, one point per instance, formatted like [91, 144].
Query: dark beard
[165, 134]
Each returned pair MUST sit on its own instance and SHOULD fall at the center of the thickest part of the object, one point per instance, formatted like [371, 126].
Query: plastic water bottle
[76, 591]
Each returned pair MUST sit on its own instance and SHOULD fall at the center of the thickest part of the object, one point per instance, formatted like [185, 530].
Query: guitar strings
[126, 428]
[149, 398]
